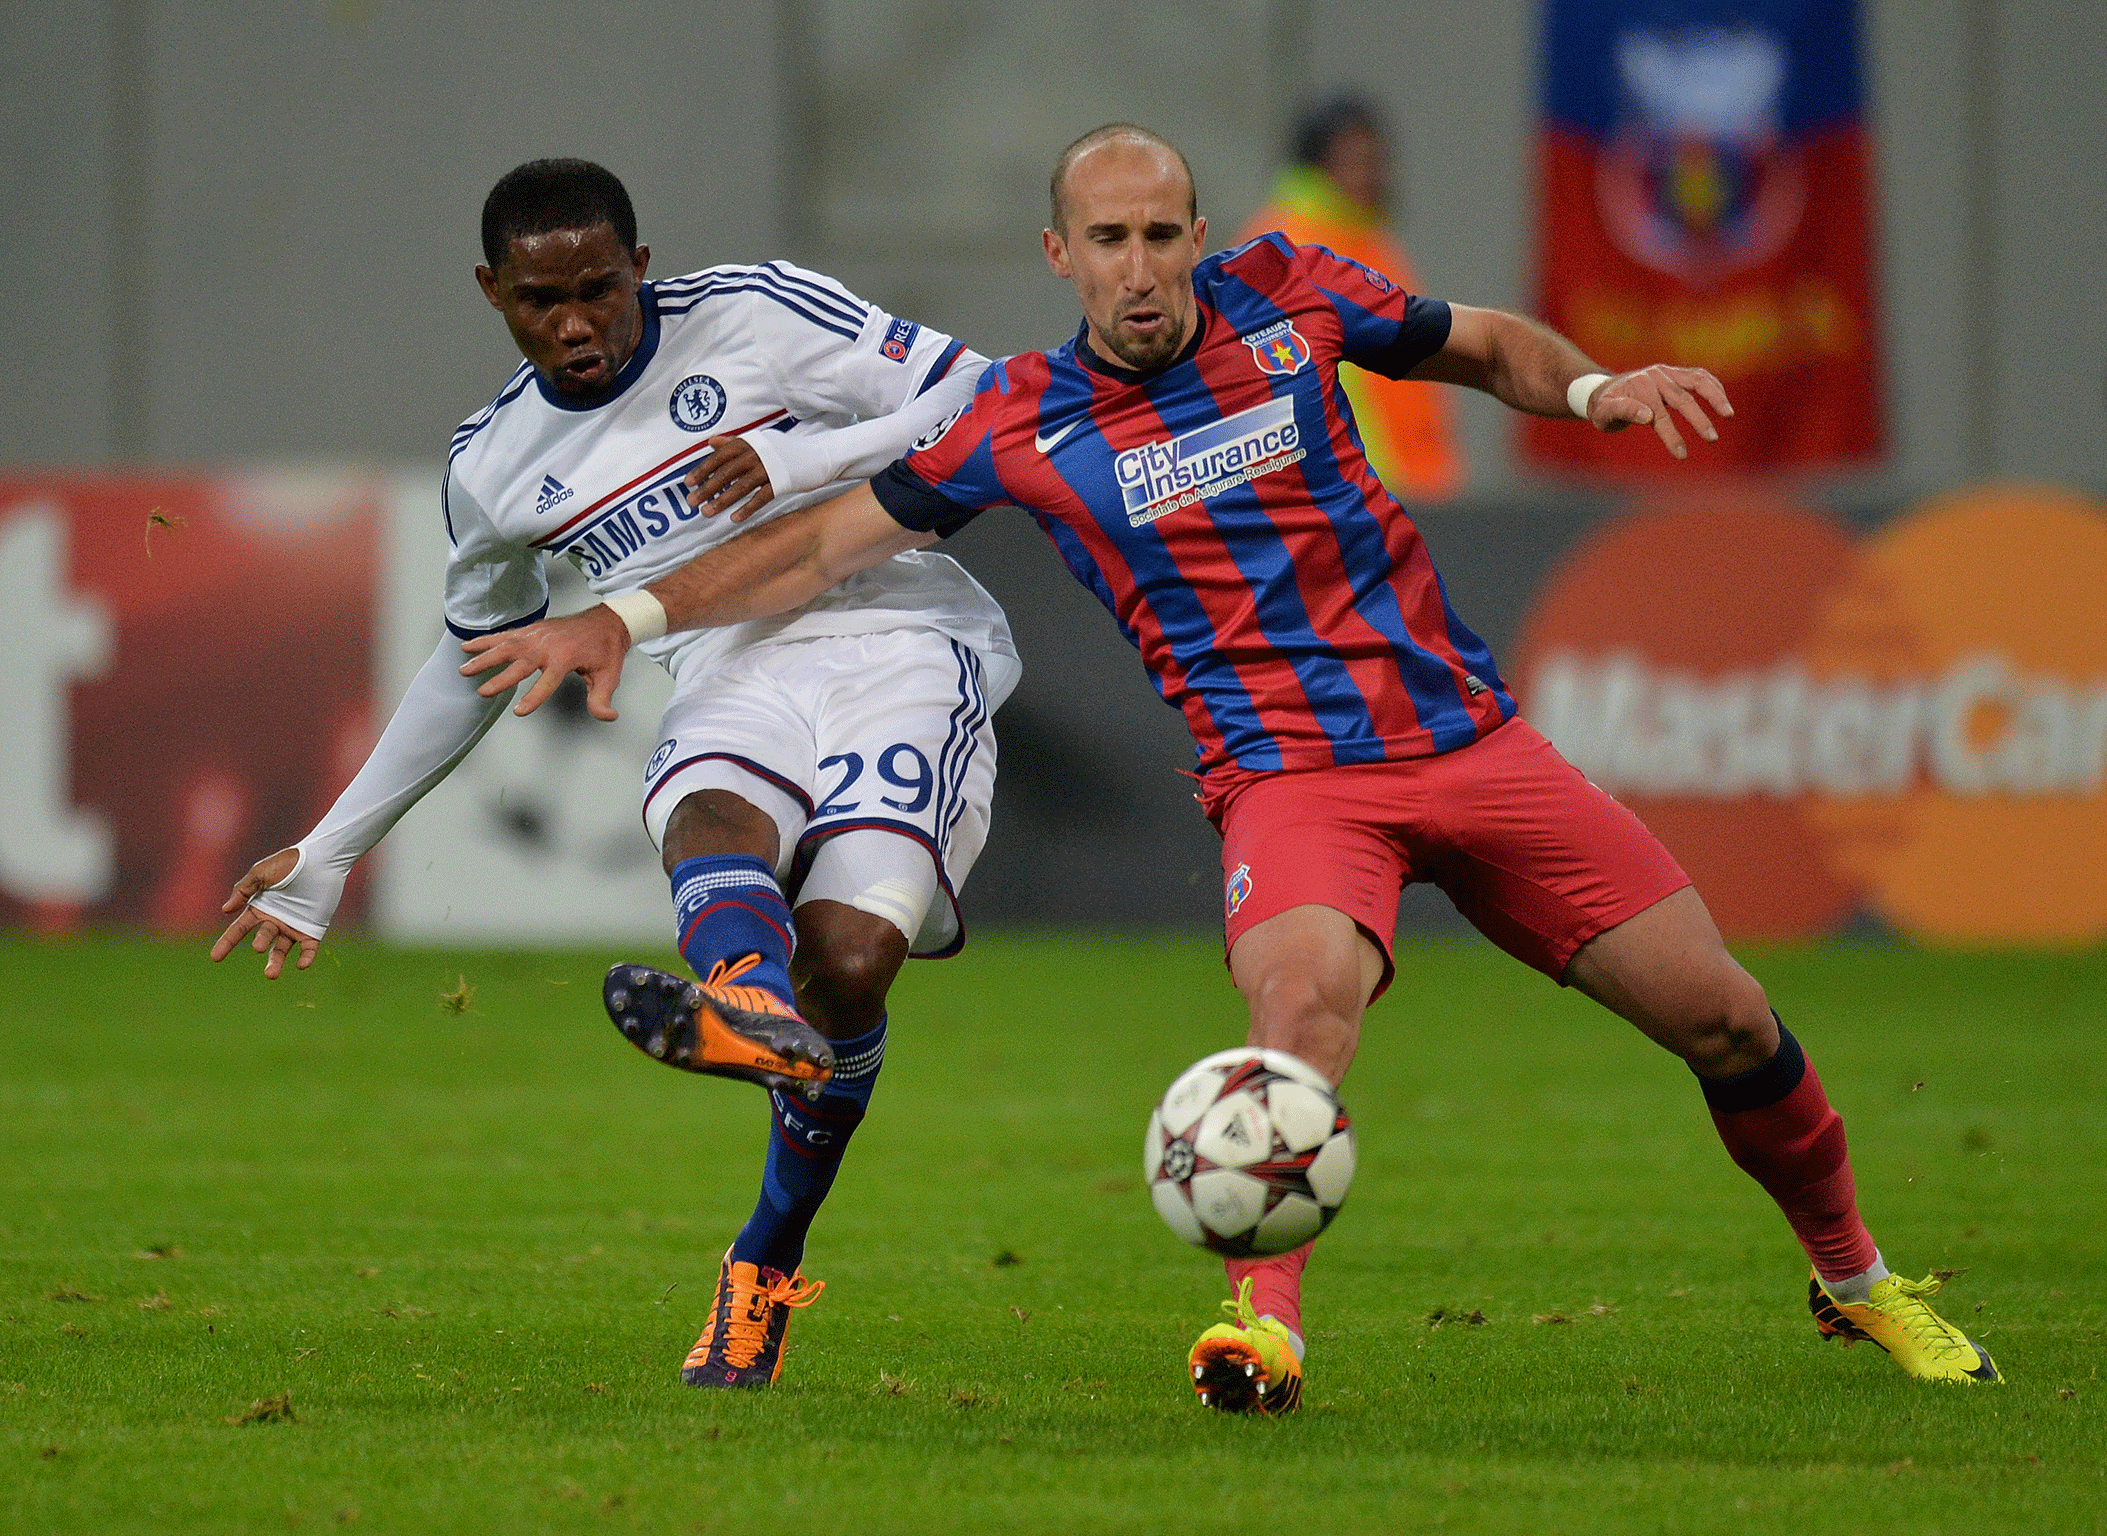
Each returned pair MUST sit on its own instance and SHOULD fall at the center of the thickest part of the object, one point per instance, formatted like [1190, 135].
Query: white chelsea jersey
[751, 351]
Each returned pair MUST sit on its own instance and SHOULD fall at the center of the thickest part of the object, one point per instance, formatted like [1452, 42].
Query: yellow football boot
[1248, 1364]
[1897, 1317]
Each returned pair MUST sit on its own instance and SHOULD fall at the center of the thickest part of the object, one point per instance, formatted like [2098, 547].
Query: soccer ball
[1249, 1153]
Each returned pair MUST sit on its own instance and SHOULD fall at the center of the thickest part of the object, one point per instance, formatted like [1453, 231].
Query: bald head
[1124, 143]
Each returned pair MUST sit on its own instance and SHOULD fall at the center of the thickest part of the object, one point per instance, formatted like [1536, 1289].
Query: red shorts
[1537, 858]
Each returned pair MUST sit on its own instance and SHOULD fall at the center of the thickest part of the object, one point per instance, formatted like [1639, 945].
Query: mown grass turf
[474, 1246]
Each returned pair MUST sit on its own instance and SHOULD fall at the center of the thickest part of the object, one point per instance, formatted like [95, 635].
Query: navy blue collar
[639, 360]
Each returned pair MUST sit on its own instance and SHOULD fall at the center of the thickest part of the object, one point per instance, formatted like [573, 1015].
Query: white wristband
[1581, 390]
[643, 615]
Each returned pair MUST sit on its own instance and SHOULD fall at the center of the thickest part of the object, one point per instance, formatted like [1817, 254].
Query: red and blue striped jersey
[1223, 509]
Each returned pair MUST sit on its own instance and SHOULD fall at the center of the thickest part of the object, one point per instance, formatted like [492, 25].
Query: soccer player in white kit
[841, 756]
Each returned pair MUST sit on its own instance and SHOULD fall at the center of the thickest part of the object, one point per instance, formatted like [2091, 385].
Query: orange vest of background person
[1406, 426]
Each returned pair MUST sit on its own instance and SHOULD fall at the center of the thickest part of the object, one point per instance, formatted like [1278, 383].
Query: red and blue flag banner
[1706, 201]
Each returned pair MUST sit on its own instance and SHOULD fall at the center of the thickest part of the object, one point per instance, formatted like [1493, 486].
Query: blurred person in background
[1335, 192]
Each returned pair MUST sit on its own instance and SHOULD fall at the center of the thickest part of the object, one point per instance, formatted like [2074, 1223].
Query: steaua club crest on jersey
[1239, 888]
[1278, 349]
[697, 404]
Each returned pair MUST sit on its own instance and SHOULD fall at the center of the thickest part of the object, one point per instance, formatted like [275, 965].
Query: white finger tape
[1581, 390]
[643, 615]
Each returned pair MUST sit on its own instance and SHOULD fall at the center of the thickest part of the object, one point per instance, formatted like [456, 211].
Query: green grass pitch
[475, 1245]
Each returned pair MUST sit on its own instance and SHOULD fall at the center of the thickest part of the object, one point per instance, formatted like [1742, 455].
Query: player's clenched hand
[1653, 396]
[272, 938]
[731, 474]
[592, 644]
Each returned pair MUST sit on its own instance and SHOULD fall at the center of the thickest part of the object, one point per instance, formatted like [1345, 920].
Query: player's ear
[1200, 234]
[487, 281]
[642, 258]
[1056, 252]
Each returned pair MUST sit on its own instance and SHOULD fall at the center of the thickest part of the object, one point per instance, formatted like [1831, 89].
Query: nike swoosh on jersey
[1047, 444]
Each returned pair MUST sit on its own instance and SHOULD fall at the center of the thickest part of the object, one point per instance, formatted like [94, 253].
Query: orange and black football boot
[742, 1344]
[719, 1027]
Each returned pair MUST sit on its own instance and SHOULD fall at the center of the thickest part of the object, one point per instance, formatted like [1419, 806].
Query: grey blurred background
[244, 232]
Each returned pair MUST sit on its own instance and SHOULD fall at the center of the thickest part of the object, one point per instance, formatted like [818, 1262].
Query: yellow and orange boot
[718, 1026]
[1897, 1316]
[1247, 1364]
[742, 1344]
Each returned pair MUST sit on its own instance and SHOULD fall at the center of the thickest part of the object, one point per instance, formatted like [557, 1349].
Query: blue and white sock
[805, 1147]
[728, 906]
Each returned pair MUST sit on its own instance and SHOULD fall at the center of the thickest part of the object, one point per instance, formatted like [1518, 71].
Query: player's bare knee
[844, 967]
[1730, 1028]
[855, 975]
[711, 822]
[1298, 1012]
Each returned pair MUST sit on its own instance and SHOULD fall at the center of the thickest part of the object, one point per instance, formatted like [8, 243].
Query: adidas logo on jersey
[553, 493]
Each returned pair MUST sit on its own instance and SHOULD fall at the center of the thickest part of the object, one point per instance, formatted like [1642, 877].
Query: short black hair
[1320, 126]
[543, 195]
[1057, 188]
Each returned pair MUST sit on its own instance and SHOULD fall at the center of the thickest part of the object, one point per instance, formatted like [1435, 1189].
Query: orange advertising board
[1912, 723]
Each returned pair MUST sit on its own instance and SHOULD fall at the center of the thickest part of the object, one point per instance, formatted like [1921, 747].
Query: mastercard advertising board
[1911, 723]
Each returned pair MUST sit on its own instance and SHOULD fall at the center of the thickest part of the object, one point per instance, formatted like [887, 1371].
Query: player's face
[1129, 249]
[569, 297]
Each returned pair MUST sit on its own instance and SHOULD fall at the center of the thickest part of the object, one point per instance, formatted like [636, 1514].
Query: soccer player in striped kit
[838, 758]
[1193, 459]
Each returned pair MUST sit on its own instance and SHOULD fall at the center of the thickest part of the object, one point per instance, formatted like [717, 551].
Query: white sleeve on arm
[491, 584]
[439, 719]
[858, 452]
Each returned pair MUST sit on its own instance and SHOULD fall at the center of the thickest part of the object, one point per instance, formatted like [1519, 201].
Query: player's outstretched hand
[592, 644]
[1652, 397]
[271, 937]
[733, 474]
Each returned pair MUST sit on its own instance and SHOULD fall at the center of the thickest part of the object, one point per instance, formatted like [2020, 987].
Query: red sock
[1276, 1285]
[1777, 1124]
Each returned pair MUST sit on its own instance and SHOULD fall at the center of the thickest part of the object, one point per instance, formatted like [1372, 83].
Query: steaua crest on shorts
[1278, 349]
[1239, 888]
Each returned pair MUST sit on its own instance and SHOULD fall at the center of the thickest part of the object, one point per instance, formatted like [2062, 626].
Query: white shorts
[889, 734]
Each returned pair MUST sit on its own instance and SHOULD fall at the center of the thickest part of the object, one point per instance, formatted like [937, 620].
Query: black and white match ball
[1249, 1153]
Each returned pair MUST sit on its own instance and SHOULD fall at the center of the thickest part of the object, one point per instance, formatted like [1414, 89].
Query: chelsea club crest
[697, 404]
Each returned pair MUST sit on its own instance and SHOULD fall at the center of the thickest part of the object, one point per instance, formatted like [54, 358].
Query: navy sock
[805, 1147]
[727, 907]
